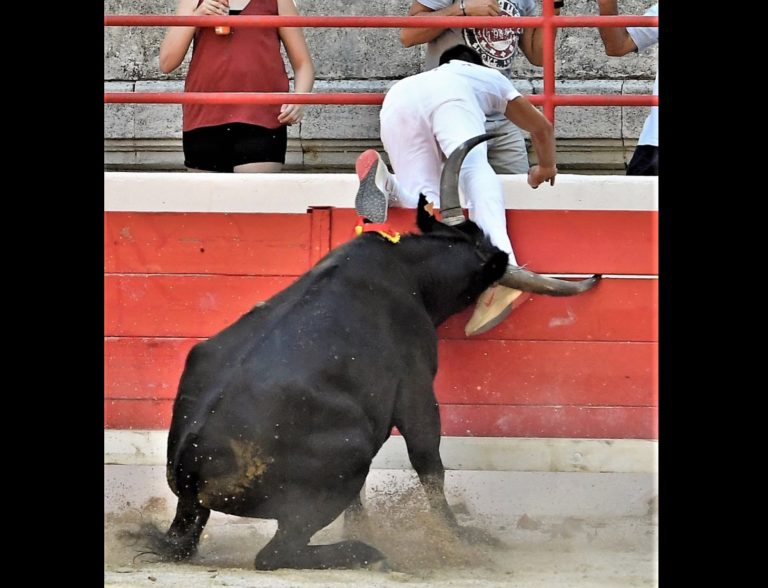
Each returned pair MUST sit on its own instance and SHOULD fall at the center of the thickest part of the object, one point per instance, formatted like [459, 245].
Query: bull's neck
[441, 286]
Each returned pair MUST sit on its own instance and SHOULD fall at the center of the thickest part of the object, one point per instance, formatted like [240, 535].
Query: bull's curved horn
[527, 281]
[450, 206]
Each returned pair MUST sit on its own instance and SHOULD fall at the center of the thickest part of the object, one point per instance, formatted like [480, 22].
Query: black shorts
[644, 162]
[222, 147]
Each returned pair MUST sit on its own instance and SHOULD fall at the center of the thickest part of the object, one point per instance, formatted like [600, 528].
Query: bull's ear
[425, 220]
[495, 267]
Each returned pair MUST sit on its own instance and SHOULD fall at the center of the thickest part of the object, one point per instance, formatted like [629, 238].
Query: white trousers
[417, 149]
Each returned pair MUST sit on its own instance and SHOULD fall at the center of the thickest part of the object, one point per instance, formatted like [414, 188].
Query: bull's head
[515, 276]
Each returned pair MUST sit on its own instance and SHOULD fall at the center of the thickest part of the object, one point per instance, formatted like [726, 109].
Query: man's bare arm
[532, 43]
[616, 40]
[410, 37]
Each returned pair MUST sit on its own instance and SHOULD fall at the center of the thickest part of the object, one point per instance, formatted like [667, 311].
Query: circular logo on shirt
[497, 47]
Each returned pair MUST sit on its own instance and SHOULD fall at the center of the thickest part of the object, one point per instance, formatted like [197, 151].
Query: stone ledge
[583, 156]
[332, 122]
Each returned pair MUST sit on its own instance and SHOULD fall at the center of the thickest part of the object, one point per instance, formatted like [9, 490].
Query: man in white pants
[423, 119]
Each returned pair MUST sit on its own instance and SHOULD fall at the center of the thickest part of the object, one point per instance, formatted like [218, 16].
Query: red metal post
[548, 11]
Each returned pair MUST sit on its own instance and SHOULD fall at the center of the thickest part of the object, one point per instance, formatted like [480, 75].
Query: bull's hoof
[153, 544]
[342, 555]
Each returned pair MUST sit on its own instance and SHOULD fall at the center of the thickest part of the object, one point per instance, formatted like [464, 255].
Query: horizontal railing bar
[115, 20]
[356, 98]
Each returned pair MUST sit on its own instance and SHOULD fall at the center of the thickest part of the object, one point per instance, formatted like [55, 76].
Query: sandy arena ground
[535, 552]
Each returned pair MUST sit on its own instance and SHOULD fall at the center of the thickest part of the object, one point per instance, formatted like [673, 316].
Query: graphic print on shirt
[497, 47]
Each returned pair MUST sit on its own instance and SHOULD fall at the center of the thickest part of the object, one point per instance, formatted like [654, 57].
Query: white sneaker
[376, 183]
[493, 306]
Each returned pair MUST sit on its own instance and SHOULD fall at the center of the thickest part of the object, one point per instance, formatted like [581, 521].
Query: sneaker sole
[516, 303]
[370, 202]
[492, 323]
[364, 162]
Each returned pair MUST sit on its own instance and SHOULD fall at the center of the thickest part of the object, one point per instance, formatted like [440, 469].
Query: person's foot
[493, 306]
[372, 196]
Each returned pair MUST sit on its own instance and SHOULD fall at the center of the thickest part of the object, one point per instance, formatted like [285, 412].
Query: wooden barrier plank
[471, 372]
[558, 241]
[458, 421]
[547, 372]
[181, 306]
[584, 422]
[200, 306]
[206, 243]
[137, 414]
[553, 241]
[144, 367]
[616, 310]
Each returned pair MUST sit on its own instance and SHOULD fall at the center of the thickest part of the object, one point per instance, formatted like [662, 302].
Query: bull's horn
[522, 279]
[450, 206]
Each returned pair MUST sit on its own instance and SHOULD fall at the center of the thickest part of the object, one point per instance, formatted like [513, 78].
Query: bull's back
[299, 388]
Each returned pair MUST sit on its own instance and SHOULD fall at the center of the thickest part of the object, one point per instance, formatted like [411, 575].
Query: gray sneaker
[371, 201]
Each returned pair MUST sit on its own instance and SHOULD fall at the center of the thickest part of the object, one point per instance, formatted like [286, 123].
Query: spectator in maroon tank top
[238, 137]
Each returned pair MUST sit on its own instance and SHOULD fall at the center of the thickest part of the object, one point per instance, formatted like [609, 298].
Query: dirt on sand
[530, 551]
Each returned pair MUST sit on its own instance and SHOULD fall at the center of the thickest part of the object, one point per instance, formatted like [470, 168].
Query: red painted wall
[580, 367]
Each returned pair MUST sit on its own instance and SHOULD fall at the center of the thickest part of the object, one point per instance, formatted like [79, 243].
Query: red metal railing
[548, 21]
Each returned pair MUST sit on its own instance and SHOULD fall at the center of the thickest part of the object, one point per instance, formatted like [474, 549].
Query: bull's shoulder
[365, 258]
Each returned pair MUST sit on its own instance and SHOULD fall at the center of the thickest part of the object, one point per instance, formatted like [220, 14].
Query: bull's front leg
[418, 420]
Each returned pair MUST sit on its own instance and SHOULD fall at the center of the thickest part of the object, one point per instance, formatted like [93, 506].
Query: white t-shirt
[482, 89]
[645, 37]
[497, 47]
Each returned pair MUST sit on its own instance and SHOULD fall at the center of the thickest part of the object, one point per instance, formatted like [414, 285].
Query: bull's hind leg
[180, 542]
[290, 548]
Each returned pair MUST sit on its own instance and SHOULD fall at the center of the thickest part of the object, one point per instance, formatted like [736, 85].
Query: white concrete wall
[209, 192]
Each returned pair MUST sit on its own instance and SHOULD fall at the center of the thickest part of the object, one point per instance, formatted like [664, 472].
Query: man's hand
[212, 7]
[482, 8]
[290, 114]
[538, 175]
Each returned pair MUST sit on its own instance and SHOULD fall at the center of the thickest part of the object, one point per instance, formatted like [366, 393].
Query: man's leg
[415, 157]
[485, 201]
[453, 124]
[507, 154]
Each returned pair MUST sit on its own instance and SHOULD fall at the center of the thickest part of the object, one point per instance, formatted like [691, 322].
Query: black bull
[280, 414]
